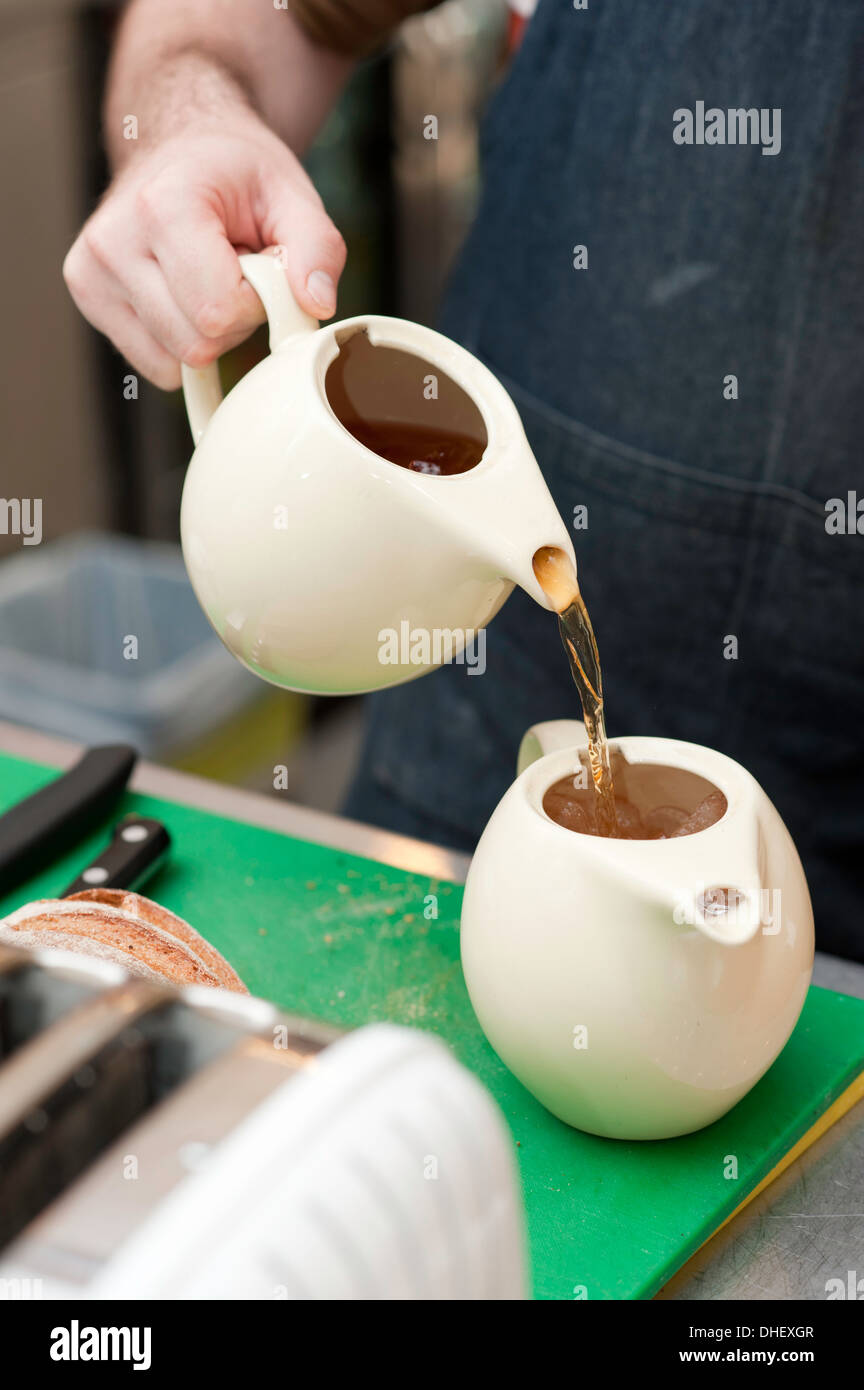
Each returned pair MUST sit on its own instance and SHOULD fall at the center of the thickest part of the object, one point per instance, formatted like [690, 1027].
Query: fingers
[155, 300]
[142, 351]
[132, 302]
[101, 300]
[203, 276]
[311, 250]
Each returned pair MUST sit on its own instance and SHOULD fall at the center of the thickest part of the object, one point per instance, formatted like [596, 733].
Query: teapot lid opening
[403, 407]
[653, 800]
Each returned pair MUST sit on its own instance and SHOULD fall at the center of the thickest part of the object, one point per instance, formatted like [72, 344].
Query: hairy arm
[222, 93]
[182, 61]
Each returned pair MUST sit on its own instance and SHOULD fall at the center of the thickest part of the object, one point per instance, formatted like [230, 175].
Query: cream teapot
[598, 968]
[308, 552]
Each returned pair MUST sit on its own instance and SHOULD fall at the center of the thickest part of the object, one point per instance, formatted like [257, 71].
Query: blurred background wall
[109, 471]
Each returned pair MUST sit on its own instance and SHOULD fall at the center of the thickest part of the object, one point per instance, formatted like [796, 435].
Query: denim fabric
[706, 516]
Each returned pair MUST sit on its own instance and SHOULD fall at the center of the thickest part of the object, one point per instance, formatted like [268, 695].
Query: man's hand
[155, 267]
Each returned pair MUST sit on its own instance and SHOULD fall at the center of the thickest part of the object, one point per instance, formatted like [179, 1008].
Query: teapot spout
[555, 590]
[728, 901]
[505, 516]
[535, 552]
[730, 913]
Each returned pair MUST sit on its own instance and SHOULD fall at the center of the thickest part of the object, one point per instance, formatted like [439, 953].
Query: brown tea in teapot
[652, 802]
[403, 408]
[611, 797]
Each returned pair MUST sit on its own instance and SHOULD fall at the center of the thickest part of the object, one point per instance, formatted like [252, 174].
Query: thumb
[312, 252]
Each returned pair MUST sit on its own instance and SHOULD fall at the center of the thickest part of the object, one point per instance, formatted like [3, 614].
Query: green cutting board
[352, 941]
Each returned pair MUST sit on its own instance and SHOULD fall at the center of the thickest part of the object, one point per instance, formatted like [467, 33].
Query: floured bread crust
[126, 928]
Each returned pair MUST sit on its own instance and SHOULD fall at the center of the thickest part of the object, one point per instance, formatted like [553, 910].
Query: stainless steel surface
[36, 1070]
[35, 991]
[78, 1232]
[846, 976]
[135, 1072]
[806, 1228]
[11, 961]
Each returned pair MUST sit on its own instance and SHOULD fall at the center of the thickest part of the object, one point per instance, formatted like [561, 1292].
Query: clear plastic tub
[67, 612]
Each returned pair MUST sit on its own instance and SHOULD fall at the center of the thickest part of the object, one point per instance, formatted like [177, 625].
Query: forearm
[181, 63]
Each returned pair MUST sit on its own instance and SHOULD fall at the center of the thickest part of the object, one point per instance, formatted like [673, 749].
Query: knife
[138, 846]
[47, 824]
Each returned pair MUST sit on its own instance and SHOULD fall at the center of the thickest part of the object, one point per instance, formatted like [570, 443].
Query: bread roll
[126, 928]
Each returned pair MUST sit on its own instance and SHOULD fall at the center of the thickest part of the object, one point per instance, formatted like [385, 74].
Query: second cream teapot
[597, 970]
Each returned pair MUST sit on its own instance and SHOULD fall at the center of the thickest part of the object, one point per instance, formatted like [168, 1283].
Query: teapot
[600, 969]
[309, 552]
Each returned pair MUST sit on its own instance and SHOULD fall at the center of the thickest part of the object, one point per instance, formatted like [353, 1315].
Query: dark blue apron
[706, 514]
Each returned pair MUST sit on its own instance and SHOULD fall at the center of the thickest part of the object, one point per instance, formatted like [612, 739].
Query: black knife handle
[52, 820]
[138, 846]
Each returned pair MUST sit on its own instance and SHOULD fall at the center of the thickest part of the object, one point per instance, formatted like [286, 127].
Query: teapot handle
[550, 737]
[202, 389]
